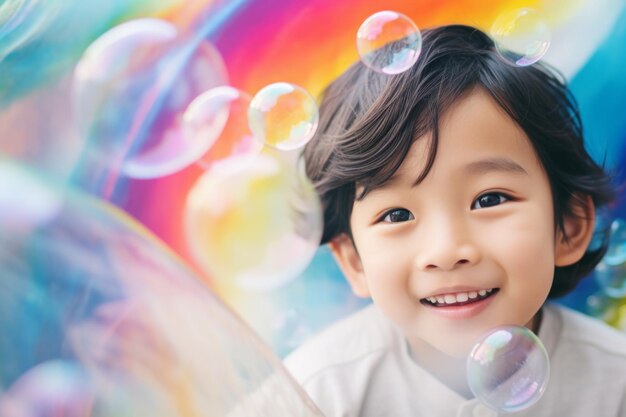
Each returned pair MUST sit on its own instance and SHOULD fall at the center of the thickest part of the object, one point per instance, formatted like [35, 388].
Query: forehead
[475, 134]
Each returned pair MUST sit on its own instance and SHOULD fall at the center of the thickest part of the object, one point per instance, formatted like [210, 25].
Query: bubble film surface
[522, 37]
[106, 322]
[219, 117]
[283, 116]
[389, 42]
[508, 369]
[253, 221]
[131, 89]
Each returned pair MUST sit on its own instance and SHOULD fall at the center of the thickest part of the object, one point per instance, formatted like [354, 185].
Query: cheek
[526, 251]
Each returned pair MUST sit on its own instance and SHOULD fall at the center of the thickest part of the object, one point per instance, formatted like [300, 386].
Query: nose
[446, 245]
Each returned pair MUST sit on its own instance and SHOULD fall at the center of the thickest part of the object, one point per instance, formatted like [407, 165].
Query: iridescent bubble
[616, 252]
[389, 42]
[600, 305]
[521, 36]
[100, 319]
[508, 369]
[253, 221]
[131, 88]
[283, 116]
[611, 278]
[219, 117]
[610, 273]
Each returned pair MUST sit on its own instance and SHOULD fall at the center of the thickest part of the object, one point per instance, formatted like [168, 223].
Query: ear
[573, 240]
[349, 262]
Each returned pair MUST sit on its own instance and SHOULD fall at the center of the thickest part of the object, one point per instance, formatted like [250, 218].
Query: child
[459, 197]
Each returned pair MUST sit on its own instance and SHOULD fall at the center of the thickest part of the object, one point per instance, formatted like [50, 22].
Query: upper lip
[456, 289]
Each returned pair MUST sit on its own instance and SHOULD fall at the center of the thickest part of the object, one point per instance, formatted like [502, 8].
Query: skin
[481, 219]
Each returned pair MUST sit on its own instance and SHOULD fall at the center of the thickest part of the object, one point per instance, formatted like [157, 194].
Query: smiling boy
[459, 197]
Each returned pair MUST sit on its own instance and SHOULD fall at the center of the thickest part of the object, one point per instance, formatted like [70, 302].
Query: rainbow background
[307, 43]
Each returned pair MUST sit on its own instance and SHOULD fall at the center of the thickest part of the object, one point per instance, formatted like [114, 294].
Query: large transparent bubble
[508, 369]
[253, 221]
[132, 87]
[389, 42]
[219, 116]
[101, 319]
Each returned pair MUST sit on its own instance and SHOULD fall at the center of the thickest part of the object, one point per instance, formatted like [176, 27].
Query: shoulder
[586, 348]
[587, 362]
[353, 341]
[589, 333]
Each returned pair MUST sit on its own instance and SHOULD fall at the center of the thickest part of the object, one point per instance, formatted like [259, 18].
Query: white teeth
[460, 297]
[450, 299]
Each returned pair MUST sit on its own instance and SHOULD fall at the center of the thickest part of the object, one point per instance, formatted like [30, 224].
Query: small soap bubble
[389, 42]
[611, 278]
[521, 36]
[600, 305]
[508, 369]
[283, 116]
[616, 252]
[218, 117]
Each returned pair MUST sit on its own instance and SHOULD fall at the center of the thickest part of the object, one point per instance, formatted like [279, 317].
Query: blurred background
[141, 107]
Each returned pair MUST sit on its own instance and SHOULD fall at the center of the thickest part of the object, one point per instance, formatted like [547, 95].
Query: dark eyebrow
[495, 164]
[482, 166]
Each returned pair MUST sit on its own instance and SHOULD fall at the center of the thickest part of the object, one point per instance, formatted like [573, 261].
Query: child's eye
[397, 216]
[489, 200]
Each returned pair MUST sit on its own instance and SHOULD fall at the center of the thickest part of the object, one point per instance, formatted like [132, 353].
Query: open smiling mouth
[459, 298]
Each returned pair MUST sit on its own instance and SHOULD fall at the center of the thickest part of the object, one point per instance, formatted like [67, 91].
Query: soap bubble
[101, 320]
[283, 116]
[616, 252]
[219, 117]
[131, 88]
[253, 221]
[521, 36]
[508, 369]
[389, 42]
[610, 273]
[611, 278]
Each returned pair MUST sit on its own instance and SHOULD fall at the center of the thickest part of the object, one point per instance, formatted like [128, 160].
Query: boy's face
[471, 247]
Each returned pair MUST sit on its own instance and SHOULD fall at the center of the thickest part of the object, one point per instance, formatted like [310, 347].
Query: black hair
[369, 120]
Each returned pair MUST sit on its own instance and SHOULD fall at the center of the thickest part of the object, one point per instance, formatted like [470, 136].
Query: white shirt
[361, 366]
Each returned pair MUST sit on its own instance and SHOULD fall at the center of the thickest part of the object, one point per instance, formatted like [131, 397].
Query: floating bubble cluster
[102, 320]
[389, 42]
[132, 87]
[508, 369]
[521, 36]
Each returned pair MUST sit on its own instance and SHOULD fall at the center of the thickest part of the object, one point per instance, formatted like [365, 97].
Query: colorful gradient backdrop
[303, 42]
